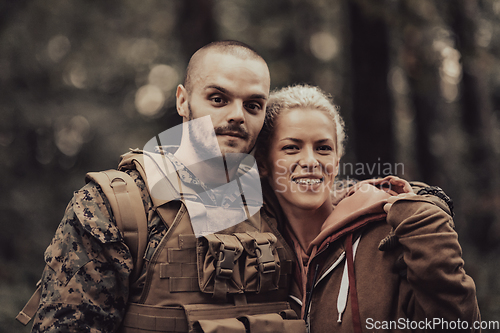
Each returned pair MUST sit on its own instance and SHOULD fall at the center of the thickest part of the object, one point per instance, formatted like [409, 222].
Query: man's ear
[261, 163]
[182, 101]
[263, 172]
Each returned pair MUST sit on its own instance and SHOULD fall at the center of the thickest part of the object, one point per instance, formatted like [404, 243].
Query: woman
[382, 258]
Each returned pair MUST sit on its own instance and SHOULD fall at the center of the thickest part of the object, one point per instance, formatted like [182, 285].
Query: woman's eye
[325, 148]
[290, 148]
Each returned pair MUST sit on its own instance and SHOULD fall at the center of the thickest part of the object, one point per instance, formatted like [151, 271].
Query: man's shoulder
[94, 213]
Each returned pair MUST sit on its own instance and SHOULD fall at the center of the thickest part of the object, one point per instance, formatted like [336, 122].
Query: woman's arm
[435, 268]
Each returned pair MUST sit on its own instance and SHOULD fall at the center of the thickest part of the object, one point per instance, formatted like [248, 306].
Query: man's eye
[254, 107]
[217, 99]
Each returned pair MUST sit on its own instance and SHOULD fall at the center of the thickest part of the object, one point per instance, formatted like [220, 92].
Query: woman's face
[303, 161]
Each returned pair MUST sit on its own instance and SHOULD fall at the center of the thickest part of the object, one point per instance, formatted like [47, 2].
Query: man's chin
[234, 154]
[233, 147]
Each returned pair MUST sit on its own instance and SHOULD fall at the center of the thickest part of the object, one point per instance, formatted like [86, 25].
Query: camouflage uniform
[85, 284]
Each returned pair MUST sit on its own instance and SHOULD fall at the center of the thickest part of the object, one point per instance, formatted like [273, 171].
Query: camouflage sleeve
[85, 280]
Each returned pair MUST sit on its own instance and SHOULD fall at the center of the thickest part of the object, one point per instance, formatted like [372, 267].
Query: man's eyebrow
[258, 96]
[216, 87]
[227, 92]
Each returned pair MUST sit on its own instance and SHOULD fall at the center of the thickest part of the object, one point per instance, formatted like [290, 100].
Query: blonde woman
[382, 258]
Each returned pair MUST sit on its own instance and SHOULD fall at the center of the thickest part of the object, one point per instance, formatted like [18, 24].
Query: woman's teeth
[307, 181]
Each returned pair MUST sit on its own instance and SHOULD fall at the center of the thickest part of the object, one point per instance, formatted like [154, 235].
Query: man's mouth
[308, 181]
[232, 131]
[233, 134]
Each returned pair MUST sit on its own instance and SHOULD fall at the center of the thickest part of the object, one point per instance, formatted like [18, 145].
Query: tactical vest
[235, 280]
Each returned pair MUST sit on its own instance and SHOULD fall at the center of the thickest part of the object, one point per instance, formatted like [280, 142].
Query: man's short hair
[232, 47]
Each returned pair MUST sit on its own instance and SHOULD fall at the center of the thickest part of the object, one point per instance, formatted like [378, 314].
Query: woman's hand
[393, 199]
[391, 184]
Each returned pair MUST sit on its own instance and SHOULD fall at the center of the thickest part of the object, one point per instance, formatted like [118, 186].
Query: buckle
[225, 263]
[265, 257]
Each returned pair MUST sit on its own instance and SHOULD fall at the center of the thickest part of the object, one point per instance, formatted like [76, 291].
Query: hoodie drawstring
[348, 282]
[342, 298]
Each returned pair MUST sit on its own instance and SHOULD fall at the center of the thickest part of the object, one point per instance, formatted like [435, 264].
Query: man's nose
[236, 113]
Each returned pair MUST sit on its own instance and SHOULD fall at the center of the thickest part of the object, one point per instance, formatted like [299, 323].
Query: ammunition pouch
[237, 263]
[230, 266]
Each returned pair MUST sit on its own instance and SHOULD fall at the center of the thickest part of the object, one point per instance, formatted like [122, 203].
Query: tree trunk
[477, 120]
[371, 102]
[196, 25]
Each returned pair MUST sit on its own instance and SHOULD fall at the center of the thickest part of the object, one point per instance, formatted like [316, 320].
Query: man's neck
[212, 171]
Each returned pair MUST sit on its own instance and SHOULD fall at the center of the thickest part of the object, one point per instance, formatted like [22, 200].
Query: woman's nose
[307, 159]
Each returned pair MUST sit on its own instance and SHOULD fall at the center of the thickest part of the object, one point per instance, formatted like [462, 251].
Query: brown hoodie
[417, 282]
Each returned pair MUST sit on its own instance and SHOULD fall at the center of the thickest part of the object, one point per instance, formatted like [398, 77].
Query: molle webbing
[181, 269]
[258, 317]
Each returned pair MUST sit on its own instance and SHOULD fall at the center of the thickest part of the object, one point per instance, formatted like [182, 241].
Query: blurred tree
[371, 103]
[478, 120]
[421, 64]
[9, 9]
[195, 24]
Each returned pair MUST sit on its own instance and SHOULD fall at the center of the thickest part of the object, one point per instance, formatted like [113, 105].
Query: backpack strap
[29, 310]
[126, 203]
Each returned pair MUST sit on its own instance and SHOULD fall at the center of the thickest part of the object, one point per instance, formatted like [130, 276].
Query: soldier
[88, 283]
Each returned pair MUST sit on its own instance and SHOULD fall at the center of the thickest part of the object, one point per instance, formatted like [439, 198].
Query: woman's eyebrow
[324, 140]
[299, 140]
[291, 139]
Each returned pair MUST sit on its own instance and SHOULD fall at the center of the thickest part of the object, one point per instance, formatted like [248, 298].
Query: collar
[173, 180]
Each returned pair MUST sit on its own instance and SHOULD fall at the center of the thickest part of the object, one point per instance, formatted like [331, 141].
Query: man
[87, 283]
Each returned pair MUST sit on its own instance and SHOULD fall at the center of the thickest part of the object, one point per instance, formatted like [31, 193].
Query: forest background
[81, 82]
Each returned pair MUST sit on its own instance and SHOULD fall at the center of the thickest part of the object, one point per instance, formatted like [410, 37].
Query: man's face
[233, 92]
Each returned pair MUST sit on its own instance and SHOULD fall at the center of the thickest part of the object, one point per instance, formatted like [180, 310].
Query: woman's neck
[306, 224]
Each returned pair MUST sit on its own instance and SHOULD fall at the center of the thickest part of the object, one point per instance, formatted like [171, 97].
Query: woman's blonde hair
[300, 96]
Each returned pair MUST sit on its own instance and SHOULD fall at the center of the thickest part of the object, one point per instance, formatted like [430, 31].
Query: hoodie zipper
[309, 293]
[315, 282]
